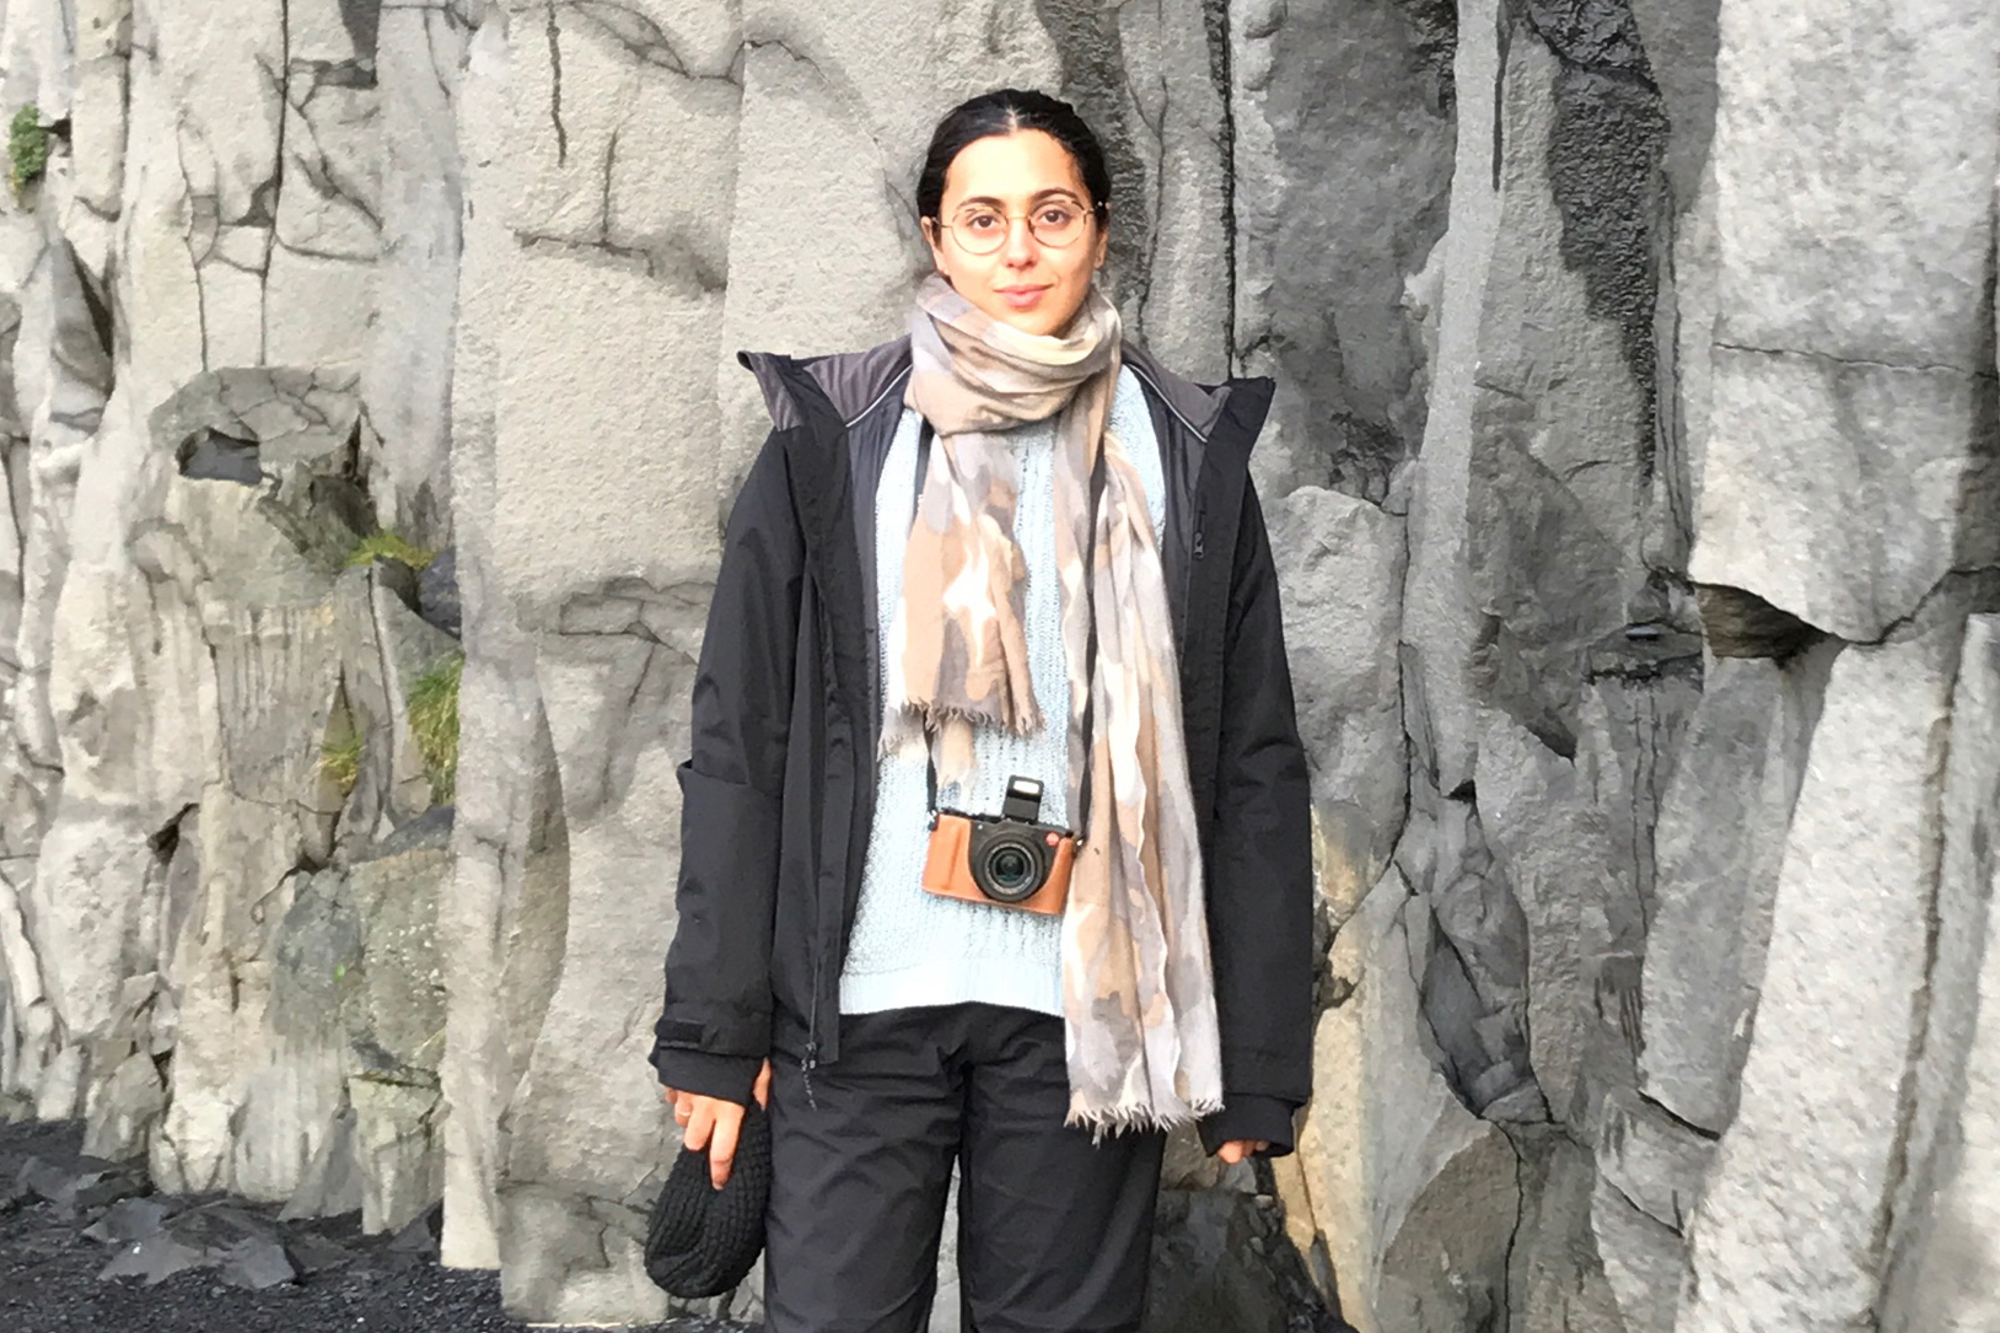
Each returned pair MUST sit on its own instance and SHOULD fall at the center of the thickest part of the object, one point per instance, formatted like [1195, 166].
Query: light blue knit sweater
[913, 948]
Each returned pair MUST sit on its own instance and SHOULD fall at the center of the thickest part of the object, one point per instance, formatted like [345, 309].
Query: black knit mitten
[702, 1241]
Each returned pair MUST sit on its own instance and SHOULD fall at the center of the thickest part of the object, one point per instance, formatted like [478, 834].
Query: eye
[1056, 215]
[980, 220]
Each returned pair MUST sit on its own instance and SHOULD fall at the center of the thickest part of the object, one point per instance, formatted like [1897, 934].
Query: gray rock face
[1718, 848]
[1642, 1262]
[503, 909]
[197, 654]
[1475, 981]
[1629, 477]
[1946, 1241]
[1839, 1019]
[1341, 561]
[1342, 139]
[1415, 1209]
[1853, 310]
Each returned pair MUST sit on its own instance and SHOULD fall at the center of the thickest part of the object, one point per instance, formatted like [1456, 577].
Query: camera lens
[1010, 870]
[1010, 867]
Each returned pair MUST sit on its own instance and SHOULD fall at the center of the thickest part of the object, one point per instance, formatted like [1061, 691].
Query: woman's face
[993, 190]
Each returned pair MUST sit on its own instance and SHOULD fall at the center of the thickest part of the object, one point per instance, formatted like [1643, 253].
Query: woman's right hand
[703, 1119]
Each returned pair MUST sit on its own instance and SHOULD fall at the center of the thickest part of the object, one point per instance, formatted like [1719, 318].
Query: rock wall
[1632, 476]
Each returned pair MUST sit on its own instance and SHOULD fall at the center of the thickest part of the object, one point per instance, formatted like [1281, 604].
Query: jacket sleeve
[715, 1028]
[1260, 880]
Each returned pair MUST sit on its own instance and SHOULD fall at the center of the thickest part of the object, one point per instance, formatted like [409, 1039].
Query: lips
[1021, 298]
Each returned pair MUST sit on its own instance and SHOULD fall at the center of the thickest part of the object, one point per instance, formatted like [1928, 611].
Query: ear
[1103, 237]
[934, 237]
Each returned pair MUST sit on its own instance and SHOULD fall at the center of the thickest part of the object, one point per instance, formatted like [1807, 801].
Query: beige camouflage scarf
[1138, 993]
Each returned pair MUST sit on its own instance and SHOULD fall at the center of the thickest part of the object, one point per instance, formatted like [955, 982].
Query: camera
[1008, 859]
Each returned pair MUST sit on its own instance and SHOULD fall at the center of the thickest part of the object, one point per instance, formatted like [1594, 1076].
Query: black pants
[1054, 1232]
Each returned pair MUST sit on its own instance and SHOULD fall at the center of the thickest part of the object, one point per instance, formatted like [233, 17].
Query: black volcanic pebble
[76, 1184]
[153, 1259]
[313, 1253]
[101, 1183]
[256, 1265]
[129, 1219]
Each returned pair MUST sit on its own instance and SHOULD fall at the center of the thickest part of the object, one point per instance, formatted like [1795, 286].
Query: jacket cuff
[733, 1078]
[1249, 1116]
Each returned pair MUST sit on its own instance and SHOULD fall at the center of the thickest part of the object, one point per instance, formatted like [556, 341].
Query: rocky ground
[87, 1247]
[82, 1242]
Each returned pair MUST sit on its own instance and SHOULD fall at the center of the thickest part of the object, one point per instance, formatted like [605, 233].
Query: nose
[1020, 250]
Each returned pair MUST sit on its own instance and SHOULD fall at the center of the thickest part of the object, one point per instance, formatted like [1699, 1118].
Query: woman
[1006, 551]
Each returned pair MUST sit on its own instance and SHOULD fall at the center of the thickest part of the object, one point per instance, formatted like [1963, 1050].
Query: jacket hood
[855, 383]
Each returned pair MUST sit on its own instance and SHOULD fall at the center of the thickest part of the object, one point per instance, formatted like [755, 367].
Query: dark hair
[1008, 111]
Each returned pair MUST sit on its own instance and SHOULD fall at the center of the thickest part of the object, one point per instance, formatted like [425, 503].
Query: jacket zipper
[811, 1063]
[1196, 547]
[812, 1031]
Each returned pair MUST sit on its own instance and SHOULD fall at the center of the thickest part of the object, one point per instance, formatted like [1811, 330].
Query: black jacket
[778, 793]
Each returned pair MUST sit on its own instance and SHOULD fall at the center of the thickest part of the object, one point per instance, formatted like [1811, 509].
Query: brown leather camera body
[948, 866]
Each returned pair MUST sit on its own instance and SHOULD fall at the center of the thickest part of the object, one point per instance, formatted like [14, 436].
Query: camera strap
[1081, 823]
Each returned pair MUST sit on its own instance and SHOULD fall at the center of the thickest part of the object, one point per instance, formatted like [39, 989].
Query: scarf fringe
[1127, 1119]
[915, 720]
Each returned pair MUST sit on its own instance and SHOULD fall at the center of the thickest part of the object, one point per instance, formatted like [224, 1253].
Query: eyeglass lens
[982, 230]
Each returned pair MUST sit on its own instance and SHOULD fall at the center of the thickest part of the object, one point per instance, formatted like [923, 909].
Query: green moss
[340, 760]
[434, 723]
[27, 150]
[389, 546]
[346, 740]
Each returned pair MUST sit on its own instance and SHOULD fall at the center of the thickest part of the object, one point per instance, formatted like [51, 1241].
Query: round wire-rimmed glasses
[980, 229]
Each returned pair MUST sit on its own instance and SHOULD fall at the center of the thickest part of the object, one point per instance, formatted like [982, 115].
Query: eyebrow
[1061, 191]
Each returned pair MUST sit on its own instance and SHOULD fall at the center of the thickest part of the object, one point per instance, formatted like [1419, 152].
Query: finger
[668, 1095]
[700, 1124]
[722, 1152]
[1230, 1152]
[763, 1090]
